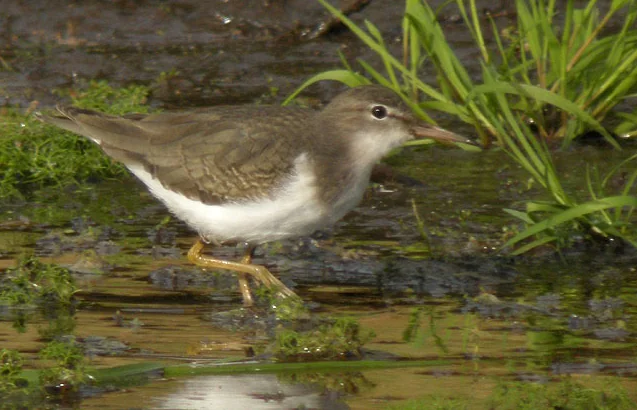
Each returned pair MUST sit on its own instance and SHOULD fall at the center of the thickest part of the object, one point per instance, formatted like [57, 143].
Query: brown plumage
[213, 155]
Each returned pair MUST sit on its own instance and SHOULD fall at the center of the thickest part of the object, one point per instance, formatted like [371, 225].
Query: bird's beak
[422, 131]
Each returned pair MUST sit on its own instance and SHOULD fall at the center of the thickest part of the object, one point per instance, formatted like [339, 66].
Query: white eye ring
[379, 112]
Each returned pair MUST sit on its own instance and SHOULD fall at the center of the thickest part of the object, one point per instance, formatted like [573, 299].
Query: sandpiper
[256, 174]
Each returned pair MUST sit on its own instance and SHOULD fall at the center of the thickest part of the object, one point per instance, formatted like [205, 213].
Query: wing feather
[214, 155]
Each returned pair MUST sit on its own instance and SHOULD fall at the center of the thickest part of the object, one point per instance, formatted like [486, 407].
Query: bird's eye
[379, 112]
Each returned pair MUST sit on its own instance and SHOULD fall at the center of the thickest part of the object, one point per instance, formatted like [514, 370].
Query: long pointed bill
[440, 135]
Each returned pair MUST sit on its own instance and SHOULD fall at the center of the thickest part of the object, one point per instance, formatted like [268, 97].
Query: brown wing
[214, 155]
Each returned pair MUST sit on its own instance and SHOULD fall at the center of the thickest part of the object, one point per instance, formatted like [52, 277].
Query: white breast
[295, 211]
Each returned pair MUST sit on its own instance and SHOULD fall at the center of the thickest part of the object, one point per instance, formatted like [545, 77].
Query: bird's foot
[243, 269]
[267, 279]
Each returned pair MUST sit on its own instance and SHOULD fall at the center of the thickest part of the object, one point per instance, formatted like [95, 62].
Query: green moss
[69, 370]
[47, 287]
[10, 368]
[63, 323]
[35, 283]
[14, 388]
[339, 340]
[35, 155]
[100, 96]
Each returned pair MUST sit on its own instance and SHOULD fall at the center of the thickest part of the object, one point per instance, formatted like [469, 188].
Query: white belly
[296, 210]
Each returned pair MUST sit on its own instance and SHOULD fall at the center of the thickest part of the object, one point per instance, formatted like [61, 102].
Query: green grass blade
[349, 78]
[520, 215]
[546, 96]
[538, 242]
[573, 214]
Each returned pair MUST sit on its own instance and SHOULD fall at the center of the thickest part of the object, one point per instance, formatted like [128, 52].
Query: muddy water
[489, 317]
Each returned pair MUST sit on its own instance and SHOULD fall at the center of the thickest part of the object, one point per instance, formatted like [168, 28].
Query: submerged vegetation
[33, 283]
[69, 369]
[342, 339]
[51, 289]
[543, 79]
[33, 286]
[12, 384]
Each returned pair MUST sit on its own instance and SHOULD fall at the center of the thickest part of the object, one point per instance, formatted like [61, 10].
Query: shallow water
[489, 317]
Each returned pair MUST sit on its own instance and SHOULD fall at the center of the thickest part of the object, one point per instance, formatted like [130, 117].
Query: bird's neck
[341, 178]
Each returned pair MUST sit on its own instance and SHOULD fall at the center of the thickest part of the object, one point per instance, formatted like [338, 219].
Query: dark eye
[379, 112]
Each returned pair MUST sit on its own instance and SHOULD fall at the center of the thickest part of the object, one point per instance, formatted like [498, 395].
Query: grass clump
[14, 389]
[538, 63]
[339, 340]
[51, 289]
[35, 283]
[100, 96]
[35, 155]
[285, 310]
[46, 287]
[544, 79]
[69, 371]
[10, 368]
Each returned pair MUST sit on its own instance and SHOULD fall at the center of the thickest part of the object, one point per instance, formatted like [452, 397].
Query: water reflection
[256, 392]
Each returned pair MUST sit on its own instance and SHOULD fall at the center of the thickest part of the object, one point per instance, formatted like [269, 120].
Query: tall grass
[545, 80]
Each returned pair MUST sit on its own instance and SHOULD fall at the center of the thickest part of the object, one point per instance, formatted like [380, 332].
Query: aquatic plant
[99, 95]
[33, 282]
[338, 340]
[569, 67]
[10, 367]
[35, 155]
[48, 287]
[69, 371]
[416, 331]
[13, 386]
[283, 309]
[541, 80]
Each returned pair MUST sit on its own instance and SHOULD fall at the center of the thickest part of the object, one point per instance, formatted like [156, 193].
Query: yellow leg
[244, 284]
[243, 269]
